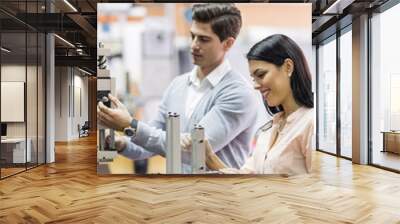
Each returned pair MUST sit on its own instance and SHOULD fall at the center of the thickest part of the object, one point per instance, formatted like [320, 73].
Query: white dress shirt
[291, 152]
[198, 88]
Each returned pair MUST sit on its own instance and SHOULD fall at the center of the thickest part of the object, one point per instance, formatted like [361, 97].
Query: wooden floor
[387, 159]
[70, 191]
[10, 171]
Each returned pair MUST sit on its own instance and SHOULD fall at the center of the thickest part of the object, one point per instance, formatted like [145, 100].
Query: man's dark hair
[275, 49]
[225, 18]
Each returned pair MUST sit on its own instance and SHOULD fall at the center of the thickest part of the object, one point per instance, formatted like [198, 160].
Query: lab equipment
[173, 152]
[106, 151]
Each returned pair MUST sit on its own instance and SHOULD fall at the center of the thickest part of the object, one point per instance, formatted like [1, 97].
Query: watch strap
[134, 123]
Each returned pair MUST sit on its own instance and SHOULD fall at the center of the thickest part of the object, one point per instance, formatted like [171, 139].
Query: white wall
[14, 73]
[71, 94]
[80, 110]
[33, 126]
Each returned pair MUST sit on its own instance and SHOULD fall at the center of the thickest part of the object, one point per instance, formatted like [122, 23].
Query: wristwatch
[131, 131]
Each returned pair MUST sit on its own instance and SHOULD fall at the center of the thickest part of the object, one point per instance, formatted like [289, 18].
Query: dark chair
[84, 130]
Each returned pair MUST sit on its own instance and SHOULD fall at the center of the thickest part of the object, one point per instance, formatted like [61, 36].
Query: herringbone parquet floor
[70, 191]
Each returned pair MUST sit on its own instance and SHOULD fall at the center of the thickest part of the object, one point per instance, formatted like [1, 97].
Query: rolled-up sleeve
[135, 152]
[152, 136]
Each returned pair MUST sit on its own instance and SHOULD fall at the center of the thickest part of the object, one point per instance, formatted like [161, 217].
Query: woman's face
[272, 81]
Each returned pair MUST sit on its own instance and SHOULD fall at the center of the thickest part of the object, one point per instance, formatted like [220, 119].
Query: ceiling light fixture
[64, 40]
[70, 5]
[337, 7]
[86, 72]
[5, 50]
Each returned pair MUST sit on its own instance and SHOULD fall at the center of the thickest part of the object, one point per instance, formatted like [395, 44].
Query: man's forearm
[135, 152]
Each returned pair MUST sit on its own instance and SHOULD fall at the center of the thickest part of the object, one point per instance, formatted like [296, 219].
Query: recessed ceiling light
[5, 50]
[86, 72]
[70, 5]
[337, 7]
[64, 40]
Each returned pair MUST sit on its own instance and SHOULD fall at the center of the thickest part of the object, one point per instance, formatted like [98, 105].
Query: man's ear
[228, 43]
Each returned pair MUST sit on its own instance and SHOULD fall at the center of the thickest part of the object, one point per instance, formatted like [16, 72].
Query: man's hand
[120, 142]
[213, 162]
[186, 142]
[116, 118]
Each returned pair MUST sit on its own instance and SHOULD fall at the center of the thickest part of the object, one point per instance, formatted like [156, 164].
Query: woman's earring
[290, 74]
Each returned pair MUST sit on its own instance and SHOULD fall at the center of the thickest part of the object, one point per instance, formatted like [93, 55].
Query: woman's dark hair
[275, 49]
[225, 18]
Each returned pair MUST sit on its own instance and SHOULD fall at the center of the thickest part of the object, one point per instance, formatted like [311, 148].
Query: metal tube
[198, 150]
[173, 155]
[102, 139]
[112, 140]
[105, 85]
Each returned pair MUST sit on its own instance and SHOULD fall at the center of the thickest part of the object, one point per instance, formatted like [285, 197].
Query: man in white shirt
[212, 95]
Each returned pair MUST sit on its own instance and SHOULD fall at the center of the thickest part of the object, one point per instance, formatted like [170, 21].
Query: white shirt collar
[215, 75]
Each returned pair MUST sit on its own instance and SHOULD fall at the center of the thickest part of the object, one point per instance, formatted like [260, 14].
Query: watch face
[129, 132]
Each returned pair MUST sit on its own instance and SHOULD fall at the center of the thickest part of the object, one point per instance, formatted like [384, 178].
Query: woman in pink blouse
[280, 72]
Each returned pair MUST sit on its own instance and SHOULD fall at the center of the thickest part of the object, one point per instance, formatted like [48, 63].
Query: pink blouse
[291, 153]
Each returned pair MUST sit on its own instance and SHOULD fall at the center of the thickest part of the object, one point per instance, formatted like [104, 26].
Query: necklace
[281, 125]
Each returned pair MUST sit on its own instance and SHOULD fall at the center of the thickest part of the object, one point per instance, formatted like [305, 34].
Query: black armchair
[84, 130]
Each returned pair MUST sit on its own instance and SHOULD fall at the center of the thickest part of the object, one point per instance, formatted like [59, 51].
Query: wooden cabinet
[391, 141]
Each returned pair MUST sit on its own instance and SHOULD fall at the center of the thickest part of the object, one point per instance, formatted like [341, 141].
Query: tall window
[327, 96]
[385, 89]
[346, 93]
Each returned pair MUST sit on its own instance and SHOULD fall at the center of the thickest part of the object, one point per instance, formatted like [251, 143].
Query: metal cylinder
[112, 140]
[173, 152]
[102, 62]
[198, 150]
[102, 139]
[101, 59]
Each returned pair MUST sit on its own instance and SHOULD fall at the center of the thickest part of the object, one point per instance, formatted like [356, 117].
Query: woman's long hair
[275, 49]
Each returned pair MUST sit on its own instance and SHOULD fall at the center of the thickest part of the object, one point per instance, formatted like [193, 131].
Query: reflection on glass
[22, 90]
[31, 101]
[385, 89]
[13, 71]
[41, 99]
[346, 94]
[327, 97]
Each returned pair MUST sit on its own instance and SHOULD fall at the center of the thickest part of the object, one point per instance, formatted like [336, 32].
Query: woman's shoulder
[303, 114]
[308, 110]
[309, 114]
[308, 120]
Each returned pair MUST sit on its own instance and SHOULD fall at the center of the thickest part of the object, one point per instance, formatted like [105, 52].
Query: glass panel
[32, 97]
[41, 99]
[327, 97]
[22, 76]
[385, 89]
[346, 94]
[13, 86]
[31, 86]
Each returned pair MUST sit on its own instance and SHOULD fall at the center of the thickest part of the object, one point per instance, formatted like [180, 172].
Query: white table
[19, 149]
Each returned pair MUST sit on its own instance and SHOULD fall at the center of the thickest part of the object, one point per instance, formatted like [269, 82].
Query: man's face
[207, 50]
